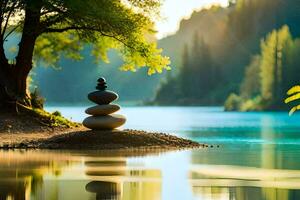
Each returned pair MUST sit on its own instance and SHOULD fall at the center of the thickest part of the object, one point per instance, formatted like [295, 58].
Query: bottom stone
[104, 122]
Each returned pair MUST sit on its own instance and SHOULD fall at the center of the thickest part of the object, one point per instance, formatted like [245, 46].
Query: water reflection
[201, 174]
[267, 170]
[104, 190]
[245, 193]
[22, 173]
[258, 158]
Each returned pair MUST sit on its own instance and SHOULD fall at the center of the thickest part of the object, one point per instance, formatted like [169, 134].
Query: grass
[54, 119]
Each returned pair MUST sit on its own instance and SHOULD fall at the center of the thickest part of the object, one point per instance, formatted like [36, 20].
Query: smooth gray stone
[102, 97]
[107, 122]
[102, 109]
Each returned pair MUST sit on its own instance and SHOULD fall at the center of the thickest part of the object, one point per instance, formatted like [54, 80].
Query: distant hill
[231, 37]
[208, 23]
[61, 86]
[75, 79]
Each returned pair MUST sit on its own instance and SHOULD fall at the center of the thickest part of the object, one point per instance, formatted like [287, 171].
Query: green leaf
[294, 90]
[292, 98]
[294, 109]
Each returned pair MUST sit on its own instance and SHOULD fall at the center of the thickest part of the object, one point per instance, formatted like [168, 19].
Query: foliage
[272, 72]
[170, 86]
[234, 35]
[37, 101]
[197, 70]
[233, 102]
[250, 86]
[57, 113]
[274, 56]
[253, 104]
[62, 28]
[294, 95]
[50, 48]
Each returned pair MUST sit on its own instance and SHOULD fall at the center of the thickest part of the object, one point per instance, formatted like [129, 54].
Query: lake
[258, 158]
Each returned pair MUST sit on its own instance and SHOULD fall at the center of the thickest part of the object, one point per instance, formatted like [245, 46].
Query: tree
[50, 29]
[184, 77]
[250, 87]
[271, 73]
[274, 64]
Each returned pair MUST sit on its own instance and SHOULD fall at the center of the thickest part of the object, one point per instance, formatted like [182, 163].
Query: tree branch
[51, 21]
[61, 30]
[7, 19]
[3, 6]
[70, 28]
[10, 32]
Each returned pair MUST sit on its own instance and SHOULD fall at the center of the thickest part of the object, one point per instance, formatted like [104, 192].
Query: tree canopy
[50, 29]
[124, 25]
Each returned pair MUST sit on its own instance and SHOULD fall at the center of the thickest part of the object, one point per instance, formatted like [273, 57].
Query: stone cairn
[102, 114]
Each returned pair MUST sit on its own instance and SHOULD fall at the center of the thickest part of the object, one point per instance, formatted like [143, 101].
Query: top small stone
[101, 84]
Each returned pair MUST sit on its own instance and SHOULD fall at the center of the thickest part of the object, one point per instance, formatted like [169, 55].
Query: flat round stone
[102, 109]
[102, 97]
[107, 122]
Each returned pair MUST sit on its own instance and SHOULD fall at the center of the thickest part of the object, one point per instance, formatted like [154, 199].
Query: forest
[246, 60]
[243, 56]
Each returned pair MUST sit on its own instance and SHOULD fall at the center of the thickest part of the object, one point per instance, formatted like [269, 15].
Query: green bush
[37, 101]
[254, 104]
[233, 102]
[57, 113]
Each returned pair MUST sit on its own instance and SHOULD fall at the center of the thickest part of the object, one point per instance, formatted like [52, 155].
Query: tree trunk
[12, 88]
[13, 77]
[7, 99]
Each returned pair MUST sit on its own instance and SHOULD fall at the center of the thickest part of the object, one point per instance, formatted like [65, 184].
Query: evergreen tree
[250, 86]
[273, 71]
[273, 64]
[185, 71]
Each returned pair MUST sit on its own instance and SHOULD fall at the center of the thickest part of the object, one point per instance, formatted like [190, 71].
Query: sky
[173, 11]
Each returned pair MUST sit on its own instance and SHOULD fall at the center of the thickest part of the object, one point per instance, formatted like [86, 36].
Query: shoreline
[84, 139]
[42, 130]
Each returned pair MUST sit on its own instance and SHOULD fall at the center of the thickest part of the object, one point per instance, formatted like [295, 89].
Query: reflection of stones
[102, 115]
[104, 122]
[104, 190]
[12, 189]
[106, 173]
[105, 163]
[102, 109]
[106, 167]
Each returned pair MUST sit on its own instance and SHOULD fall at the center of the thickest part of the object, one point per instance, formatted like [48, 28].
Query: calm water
[258, 158]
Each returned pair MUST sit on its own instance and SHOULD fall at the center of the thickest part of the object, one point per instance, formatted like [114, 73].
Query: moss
[54, 119]
[57, 113]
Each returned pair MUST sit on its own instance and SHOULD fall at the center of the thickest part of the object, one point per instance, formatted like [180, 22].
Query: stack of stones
[102, 114]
